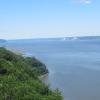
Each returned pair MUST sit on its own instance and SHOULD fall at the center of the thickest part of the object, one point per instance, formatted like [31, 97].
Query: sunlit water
[74, 66]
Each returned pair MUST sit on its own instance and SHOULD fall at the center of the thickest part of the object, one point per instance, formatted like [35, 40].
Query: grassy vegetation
[19, 78]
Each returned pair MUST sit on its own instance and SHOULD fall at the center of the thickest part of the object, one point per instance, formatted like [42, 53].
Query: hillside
[19, 78]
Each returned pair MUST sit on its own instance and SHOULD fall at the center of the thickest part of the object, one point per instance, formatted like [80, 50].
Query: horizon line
[51, 37]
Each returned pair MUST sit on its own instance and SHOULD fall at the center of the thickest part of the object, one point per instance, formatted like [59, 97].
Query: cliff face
[19, 78]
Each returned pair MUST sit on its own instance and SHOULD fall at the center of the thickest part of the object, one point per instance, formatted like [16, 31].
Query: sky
[49, 18]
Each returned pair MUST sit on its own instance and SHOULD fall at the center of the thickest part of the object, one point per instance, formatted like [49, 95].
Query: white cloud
[83, 1]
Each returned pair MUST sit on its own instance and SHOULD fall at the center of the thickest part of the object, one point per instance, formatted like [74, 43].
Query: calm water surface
[74, 65]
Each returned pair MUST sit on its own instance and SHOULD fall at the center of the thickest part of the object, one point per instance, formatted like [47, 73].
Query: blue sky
[49, 18]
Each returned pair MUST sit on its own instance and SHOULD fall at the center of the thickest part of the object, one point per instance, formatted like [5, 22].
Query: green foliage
[19, 78]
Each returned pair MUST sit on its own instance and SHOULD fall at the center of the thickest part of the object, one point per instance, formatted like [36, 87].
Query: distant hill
[82, 38]
[59, 38]
[2, 40]
[89, 37]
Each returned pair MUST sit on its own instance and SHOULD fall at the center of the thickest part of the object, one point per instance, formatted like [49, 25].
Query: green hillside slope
[19, 78]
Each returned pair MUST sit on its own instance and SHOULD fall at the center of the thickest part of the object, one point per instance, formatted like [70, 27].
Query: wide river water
[74, 65]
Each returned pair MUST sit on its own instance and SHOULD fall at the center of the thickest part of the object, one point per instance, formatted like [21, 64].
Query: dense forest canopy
[19, 78]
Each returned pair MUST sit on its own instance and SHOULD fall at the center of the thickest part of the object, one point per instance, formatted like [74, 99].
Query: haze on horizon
[49, 18]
